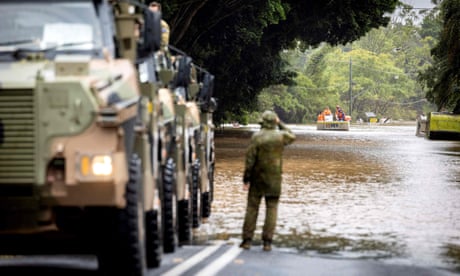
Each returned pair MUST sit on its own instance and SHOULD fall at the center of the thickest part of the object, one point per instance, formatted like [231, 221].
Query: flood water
[371, 192]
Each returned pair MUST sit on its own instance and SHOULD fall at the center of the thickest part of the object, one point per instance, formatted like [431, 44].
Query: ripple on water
[364, 194]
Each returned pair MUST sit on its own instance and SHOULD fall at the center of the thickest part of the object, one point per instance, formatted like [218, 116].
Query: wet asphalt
[220, 258]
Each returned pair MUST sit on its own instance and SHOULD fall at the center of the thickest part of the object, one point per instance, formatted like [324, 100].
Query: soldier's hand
[246, 186]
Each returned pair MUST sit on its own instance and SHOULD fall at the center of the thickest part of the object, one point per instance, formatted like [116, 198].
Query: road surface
[219, 258]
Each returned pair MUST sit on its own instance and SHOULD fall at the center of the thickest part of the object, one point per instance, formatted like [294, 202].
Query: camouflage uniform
[263, 171]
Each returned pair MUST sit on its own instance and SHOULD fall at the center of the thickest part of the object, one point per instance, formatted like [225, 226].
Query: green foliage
[240, 42]
[384, 67]
[431, 24]
[442, 79]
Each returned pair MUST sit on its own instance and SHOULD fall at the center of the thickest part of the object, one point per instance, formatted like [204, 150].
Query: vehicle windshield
[69, 26]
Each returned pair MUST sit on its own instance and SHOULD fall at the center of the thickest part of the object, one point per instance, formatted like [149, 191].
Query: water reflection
[371, 192]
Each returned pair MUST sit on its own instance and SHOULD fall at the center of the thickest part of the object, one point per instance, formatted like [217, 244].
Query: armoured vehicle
[188, 151]
[81, 132]
[195, 147]
[96, 143]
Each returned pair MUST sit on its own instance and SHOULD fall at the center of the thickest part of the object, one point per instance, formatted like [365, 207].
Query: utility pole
[350, 90]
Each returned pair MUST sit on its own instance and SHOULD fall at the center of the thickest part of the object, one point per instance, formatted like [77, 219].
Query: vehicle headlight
[101, 165]
[95, 165]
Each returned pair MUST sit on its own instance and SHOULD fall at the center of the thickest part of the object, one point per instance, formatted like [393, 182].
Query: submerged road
[375, 200]
[373, 192]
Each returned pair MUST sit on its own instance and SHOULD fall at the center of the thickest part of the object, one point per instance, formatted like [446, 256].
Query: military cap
[269, 117]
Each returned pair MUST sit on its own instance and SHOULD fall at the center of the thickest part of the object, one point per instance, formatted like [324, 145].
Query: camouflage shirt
[263, 167]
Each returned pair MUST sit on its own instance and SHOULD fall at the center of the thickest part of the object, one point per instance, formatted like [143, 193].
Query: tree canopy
[376, 73]
[241, 42]
[442, 79]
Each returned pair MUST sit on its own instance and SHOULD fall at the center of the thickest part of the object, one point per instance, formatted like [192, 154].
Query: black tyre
[206, 205]
[205, 95]
[68, 219]
[167, 207]
[183, 216]
[196, 196]
[183, 72]
[152, 31]
[122, 250]
[211, 182]
[154, 248]
[153, 217]
[207, 197]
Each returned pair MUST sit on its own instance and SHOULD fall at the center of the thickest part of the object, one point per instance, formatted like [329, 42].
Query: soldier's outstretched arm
[288, 135]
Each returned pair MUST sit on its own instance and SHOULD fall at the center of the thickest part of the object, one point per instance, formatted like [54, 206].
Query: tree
[384, 65]
[442, 78]
[432, 23]
[240, 41]
[378, 84]
[293, 104]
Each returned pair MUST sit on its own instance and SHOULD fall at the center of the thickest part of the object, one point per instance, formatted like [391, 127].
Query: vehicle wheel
[154, 250]
[183, 214]
[68, 219]
[122, 250]
[196, 197]
[206, 207]
[183, 72]
[153, 217]
[207, 197]
[167, 207]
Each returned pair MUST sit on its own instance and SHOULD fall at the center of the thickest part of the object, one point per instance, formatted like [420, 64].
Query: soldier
[156, 7]
[262, 176]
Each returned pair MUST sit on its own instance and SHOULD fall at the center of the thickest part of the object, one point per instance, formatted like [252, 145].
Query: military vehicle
[188, 158]
[95, 143]
[195, 147]
[80, 131]
[206, 157]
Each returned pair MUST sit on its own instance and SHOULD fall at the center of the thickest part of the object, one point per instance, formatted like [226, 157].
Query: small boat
[439, 126]
[329, 124]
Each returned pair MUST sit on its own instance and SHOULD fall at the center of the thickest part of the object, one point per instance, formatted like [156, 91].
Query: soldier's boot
[267, 245]
[246, 244]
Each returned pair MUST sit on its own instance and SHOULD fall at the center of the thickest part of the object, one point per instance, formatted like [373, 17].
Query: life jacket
[320, 117]
[340, 115]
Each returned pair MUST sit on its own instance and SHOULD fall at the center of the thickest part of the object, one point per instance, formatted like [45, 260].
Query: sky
[417, 4]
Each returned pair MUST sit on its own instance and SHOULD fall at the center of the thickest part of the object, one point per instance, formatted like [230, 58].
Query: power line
[322, 88]
[402, 8]
[414, 102]
[365, 67]
[376, 70]
[404, 103]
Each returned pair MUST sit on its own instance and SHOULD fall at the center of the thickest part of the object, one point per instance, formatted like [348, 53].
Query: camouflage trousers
[252, 211]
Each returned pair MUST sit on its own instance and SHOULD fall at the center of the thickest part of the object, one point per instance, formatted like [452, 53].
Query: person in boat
[327, 114]
[320, 117]
[339, 114]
